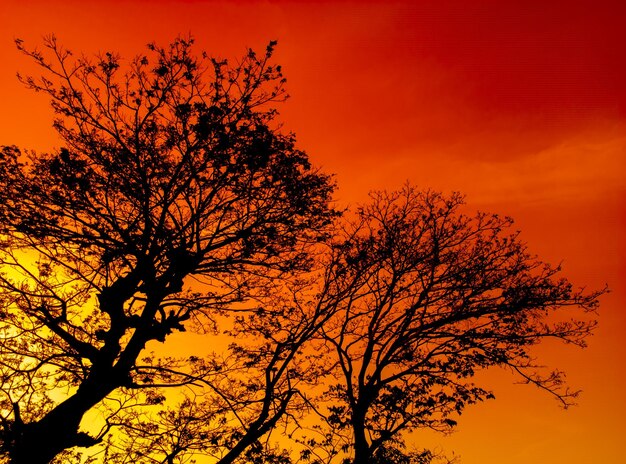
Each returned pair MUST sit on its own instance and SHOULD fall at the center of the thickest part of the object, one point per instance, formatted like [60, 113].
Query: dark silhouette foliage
[171, 170]
[430, 296]
[176, 203]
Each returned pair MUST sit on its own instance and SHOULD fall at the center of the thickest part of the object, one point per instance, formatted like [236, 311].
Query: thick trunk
[39, 442]
[362, 451]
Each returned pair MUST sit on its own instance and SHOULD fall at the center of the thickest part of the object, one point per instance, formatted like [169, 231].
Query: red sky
[519, 104]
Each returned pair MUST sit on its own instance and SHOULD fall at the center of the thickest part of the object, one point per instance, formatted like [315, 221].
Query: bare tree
[174, 195]
[430, 297]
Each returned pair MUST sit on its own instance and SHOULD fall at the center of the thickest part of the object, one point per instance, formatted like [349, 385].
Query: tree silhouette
[176, 203]
[430, 297]
[174, 195]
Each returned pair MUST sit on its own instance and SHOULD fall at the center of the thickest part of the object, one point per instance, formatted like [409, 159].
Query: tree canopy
[430, 296]
[176, 202]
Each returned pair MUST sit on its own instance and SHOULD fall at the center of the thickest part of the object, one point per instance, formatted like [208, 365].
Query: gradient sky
[521, 105]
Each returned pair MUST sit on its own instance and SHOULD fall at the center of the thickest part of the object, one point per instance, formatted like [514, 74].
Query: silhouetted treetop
[169, 161]
[425, 297]
[172, 166]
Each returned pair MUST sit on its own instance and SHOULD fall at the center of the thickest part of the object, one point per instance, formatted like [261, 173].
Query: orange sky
[519, 104]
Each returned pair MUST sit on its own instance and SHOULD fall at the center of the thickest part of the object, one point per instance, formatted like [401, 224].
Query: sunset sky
[521, 105]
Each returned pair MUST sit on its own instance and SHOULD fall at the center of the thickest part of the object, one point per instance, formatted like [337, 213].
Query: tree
[173, 195]
[175, 202]
[431, 296]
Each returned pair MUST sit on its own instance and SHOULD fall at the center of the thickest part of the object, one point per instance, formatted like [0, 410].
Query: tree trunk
[362, 451]
[39, 442]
